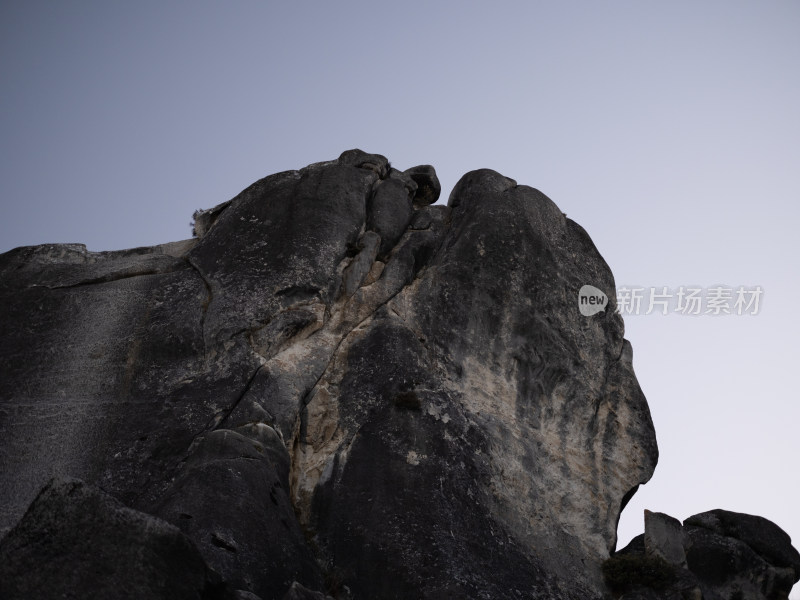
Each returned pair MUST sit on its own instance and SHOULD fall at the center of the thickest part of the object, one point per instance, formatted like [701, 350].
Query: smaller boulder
[76, 541]
[768, 540]
[714, 555]
[363, 160]
[663, 537]
[428, 186]
[388, 213]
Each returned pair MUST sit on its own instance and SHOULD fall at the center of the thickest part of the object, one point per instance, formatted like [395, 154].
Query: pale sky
[670, 131]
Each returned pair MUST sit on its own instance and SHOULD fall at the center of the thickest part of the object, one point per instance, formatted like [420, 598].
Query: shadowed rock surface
[77, 542]
[338, 387]
[716, 555]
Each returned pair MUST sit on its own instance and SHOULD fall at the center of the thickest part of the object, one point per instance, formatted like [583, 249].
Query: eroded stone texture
[77, 542]
[663, 537]
[480, 412]
[232, 499]
[716, 555]
[428, 186]
[340, 385]
[741, 555]
[106, 374]
[761, 534]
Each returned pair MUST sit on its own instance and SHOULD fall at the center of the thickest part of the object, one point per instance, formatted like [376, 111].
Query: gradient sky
[670, 131]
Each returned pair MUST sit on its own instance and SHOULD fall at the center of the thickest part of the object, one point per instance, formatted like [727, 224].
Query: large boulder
[740, 554]
[338, 386]
[761, 534]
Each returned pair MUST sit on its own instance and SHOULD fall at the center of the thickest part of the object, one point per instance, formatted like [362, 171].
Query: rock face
[85, 544]
[339, 387]
[715, 555]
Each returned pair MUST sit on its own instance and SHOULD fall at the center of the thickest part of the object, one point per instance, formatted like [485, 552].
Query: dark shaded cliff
[336, 386]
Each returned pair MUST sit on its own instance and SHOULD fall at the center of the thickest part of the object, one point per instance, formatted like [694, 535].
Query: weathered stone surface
[340, 388]
[377, 163]
[205, 219]
[495, 406]
[299, 592]
[762, 535]
[428, 186]
[231, 499]
[389, 212]
[635, 546]
[663, 537]
[77, 542]
[105, 378]
[731, 568]
[356, 272]
[722, 555]
[280, 245]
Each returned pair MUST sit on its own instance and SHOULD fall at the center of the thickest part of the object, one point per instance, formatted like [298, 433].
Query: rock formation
[77, 541]
[337, 387]
[716, 555]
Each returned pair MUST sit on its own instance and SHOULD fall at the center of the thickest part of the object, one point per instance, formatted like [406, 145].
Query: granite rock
[428, 186]
[716, 555]
[339, 386]
[75, 541]
[663, 537]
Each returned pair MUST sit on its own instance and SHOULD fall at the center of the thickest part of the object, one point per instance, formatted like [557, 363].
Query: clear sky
[670, 131]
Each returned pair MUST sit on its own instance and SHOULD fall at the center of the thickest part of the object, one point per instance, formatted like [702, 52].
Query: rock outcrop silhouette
[715, 555]
[337, 387]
